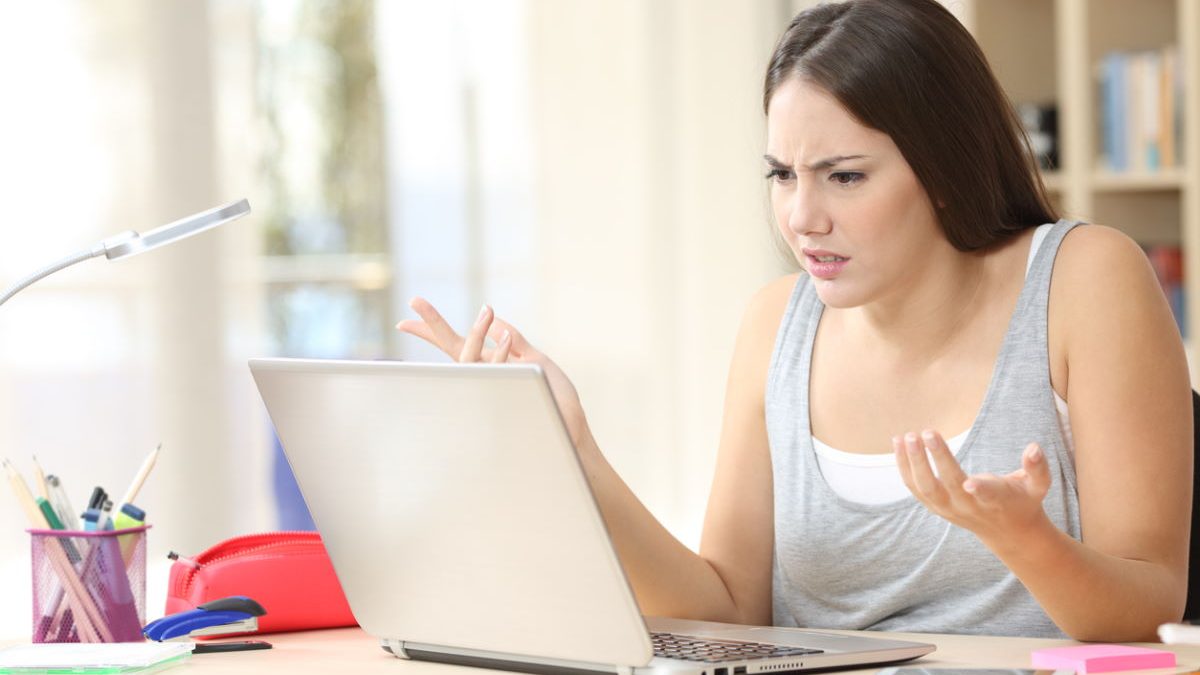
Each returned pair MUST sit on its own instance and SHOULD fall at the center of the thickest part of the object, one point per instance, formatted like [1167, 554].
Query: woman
[962, 417]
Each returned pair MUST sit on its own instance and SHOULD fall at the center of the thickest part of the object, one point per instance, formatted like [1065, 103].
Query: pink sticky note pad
[1102, 658]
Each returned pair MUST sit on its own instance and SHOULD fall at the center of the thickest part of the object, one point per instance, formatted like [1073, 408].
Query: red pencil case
[288, 573]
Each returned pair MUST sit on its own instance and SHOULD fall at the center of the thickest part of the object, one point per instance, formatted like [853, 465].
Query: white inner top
[874, 479]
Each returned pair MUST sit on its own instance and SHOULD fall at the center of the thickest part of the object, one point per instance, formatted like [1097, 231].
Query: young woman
[963, 416]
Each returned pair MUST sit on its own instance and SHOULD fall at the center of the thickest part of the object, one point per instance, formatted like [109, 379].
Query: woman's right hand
[511, 347]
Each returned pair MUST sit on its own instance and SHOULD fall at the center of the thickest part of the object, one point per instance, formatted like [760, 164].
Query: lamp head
[132, 243]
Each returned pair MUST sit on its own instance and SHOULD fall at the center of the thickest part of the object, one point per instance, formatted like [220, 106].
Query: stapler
[226, 616]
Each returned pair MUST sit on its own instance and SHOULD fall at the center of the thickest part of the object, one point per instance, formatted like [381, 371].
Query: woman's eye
[779, 174]
[846, 177]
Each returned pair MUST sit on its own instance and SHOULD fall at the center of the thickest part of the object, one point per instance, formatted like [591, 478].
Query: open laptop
[463, 530]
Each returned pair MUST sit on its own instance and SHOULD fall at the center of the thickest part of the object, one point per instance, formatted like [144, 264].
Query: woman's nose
[807, 215]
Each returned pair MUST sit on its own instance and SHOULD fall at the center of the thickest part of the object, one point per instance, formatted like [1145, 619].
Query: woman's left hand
[993, 507]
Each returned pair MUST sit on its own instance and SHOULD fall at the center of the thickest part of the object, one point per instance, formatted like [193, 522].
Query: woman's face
[846, 201]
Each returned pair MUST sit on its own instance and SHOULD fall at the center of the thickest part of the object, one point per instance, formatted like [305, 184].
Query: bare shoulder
[756, 337]
[1089, 249]
[1102, 273]
[1109, 312]
[766, 307]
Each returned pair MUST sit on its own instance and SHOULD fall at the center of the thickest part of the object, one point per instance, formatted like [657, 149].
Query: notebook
[117, 657]
[463, 530]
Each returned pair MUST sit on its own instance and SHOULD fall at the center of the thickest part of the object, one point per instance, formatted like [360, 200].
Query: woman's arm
[1130, 404]
[730, 580]
[1130, 400]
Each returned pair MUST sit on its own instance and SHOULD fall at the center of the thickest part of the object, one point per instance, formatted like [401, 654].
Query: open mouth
[824, 264]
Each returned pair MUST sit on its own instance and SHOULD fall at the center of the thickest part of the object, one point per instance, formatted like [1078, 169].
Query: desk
[350, 650]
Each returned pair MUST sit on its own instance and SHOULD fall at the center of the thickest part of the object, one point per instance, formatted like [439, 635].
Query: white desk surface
[350, 650]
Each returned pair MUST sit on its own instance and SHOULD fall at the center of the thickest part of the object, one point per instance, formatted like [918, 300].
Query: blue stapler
[235, 614]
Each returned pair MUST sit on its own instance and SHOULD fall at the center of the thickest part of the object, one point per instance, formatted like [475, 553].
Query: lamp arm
[97, 250]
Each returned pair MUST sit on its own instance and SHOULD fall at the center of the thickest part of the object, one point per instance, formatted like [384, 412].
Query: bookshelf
[1054, 52]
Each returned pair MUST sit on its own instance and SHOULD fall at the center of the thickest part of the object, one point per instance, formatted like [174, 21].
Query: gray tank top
[896, 566]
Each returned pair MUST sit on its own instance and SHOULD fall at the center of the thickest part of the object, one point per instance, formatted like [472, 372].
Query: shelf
[1060, 61]
[1167, 179]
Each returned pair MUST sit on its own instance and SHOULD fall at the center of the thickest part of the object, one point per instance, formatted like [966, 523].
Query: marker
[97, 498]
[90, 518]
[56, 524]
[129, 517]
[62, 505]
[105, 521]
[49, 514]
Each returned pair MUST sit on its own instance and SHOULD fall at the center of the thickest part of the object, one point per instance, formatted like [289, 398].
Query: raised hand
[993, 507]
[509, 347]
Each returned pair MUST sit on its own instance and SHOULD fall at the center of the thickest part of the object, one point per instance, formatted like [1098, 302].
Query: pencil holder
[89, 586]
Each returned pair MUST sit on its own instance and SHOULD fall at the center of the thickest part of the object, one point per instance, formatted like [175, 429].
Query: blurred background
[591, 169]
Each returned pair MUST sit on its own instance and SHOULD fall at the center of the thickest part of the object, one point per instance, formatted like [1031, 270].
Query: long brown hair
[908, 68]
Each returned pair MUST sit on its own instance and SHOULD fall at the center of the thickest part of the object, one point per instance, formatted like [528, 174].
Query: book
[1167, 262]
[1139, 99]
[1114, 111]
[1149, 132]
[1166, 107]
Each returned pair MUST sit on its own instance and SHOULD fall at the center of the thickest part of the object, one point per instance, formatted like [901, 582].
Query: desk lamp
[131, 243]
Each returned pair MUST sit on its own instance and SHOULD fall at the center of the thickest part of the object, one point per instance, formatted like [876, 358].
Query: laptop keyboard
[672, 646]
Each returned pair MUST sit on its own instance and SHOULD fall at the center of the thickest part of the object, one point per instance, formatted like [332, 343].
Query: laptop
[462, 528]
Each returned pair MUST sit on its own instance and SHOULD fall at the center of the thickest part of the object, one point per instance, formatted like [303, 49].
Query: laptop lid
[453, 507]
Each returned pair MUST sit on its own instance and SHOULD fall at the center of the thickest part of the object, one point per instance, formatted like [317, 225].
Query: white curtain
[592, 169]
[652, 227]
[111, 124]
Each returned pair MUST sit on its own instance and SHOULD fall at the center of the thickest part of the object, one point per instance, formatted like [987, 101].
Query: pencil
[86, 613]
[39, 480]
[21, 490]
[143, 472]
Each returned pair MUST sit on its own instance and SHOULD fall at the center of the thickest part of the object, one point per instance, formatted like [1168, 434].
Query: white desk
[350, 650]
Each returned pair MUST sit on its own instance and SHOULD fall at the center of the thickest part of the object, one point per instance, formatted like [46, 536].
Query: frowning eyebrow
[815, 166]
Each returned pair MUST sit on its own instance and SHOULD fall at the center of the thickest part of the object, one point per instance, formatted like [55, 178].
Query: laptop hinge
[502, 661]
[393, 647]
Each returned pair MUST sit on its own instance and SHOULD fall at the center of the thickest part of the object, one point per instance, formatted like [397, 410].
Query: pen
[60, 502]
[49, 514]
[90, 518]
[56, 524]
[97, 498]
[104, 522]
